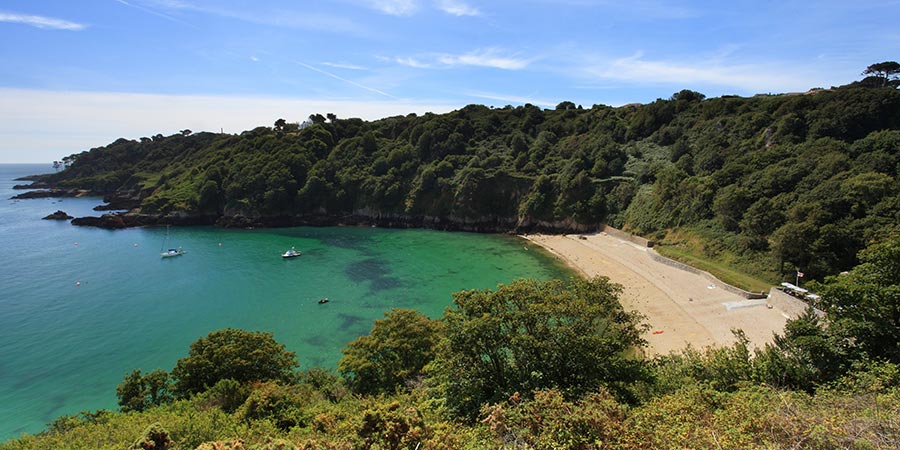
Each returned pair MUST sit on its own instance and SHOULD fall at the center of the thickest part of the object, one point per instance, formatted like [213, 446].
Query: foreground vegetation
[529, 365]
[768, 184]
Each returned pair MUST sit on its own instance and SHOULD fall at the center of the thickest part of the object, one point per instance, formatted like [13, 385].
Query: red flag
[800, 274]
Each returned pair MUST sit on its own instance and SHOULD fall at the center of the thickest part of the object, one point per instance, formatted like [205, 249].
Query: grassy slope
[719, 269]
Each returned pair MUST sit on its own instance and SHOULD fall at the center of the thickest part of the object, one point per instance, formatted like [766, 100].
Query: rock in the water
[35, 185]
[108, 221]
[58, 215]
[52, 193]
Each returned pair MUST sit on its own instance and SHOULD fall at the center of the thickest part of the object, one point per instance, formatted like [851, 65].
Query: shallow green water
[64, 346]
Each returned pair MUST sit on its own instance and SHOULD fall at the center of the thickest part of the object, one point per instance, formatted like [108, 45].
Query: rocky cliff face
[237, 218]
[359, 218]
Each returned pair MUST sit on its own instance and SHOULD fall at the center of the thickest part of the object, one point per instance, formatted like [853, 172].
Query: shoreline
[682, 308]
[132, 216]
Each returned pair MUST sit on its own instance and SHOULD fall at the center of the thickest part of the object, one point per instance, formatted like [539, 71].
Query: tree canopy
[234, 354]
[530, 335]
[864, 304]
[394, 353]
[139, 391]
[886, 71]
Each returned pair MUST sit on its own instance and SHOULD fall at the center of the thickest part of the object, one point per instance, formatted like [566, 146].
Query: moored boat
[172, 252]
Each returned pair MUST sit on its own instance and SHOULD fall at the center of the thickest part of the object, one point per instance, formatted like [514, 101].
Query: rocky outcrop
[108, 221]
[118, 201]
[135, 218]
[58, 215]
[35, 185]
[115, 221]
[54, 193]
[33, 178]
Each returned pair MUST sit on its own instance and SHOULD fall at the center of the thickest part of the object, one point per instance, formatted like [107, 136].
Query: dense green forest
[528, 365]
[768, 184]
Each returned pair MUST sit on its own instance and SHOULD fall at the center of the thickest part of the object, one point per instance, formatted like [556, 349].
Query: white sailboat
[171, 251]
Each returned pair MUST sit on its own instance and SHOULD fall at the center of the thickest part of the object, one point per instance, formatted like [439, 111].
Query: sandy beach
[680, 307]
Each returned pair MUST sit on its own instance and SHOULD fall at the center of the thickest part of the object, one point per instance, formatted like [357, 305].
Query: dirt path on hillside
[681, 307]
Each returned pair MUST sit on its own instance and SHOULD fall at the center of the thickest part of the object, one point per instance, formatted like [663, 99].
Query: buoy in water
[77, 283]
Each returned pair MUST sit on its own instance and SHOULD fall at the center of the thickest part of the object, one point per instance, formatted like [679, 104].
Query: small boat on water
[290, 253]
[323, 301]
[172, 251]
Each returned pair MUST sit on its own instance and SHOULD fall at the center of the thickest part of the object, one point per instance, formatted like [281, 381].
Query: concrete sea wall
[679, 265]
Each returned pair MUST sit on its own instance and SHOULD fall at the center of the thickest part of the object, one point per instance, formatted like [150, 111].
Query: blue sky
[79, 74]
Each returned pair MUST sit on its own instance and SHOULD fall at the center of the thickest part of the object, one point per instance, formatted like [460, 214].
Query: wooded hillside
[795, 180]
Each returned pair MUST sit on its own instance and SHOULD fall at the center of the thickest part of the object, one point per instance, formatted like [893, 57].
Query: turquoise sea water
[80, 307]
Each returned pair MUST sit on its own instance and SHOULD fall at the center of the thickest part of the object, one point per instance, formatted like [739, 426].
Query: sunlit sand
[681, 307]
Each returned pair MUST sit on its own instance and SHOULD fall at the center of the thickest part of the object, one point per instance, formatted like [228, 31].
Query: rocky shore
[34, 185]
[58, 215]
[53, 193]
[113, 202]
[132, 216]
[136, 219]
[115, 221]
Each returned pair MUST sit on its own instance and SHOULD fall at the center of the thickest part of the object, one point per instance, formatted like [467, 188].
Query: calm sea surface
[80, 307]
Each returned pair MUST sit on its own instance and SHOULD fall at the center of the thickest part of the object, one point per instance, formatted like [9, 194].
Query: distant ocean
[80, 307]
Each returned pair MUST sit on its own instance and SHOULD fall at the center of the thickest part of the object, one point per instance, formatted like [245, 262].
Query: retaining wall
[791, 306]
[619, 234]
[679, 265]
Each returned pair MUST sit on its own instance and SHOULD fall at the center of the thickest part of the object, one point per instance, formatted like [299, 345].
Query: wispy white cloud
[645, 9]
[457, 8]
[412, 62]
[260, 15]
[39, 125]
[395, 7]
[485, 57]
[489, 57]
[174, 4]
[338, 65]
[749, 78]
[510, 98]
[41, 21]
[336, 77]
[153, 11]
[411, 7]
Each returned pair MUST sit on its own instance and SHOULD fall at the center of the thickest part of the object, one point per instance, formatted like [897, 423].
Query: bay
[81, 307]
